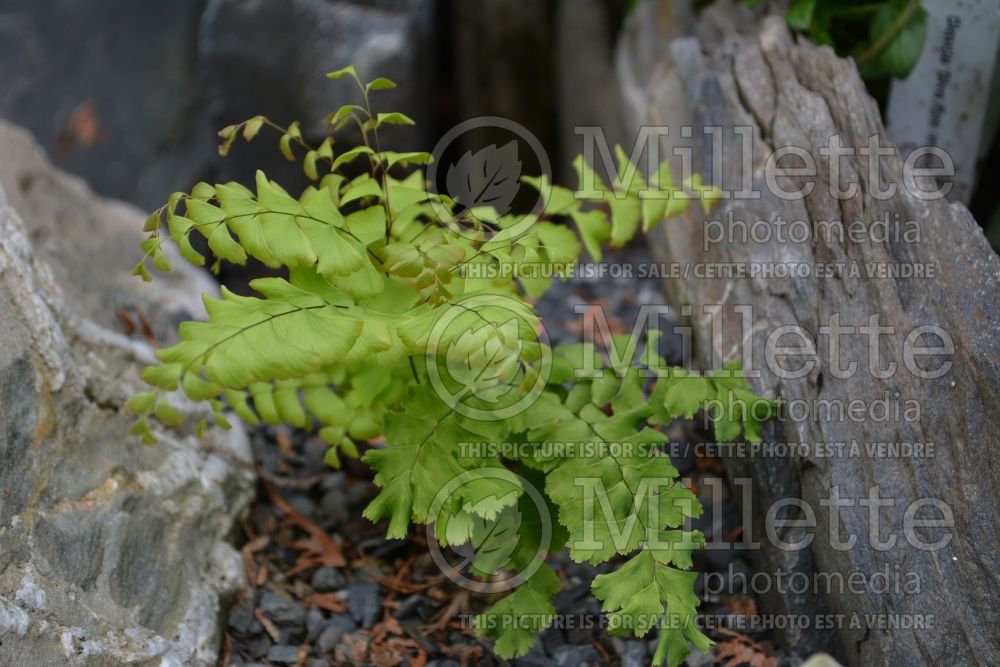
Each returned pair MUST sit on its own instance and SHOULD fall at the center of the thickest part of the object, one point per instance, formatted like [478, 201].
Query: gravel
[282, 609]
[632, 653]
[341, 614]
[283, 654]
[315, 622]
[334, 632]
[576, 656]
[327, 579]
[241, 618]
[364, 604]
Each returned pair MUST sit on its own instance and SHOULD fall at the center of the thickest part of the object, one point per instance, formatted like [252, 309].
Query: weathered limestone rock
[111, 89]
[89, 243]
[184, 69]
[110, 552]
[788, 92]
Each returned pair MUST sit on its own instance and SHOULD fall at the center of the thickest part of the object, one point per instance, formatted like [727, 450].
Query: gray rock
[313, 452]
[632, 652]
[356, 494]
[416, 606]
[334, 506]
[327, 579]
[532, 661]
[699, 659]
[139, 133]
[576, 656]
[302, 504]
[334, 631]
[110, 552]
[364, 604]
[552, 639]
[260, 645]
[535, 655]
[241, 618]
[685, 461]
[371, 571]
[181, 72]
[736, 578]
[821, 660]
[581, 634]
[566, 599]
[789, 92]
[282, 609]
[334, 479]
[315, 620]
[284, 654]
[74, 232]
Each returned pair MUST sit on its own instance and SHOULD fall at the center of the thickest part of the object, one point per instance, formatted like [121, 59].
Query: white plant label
[945, 99]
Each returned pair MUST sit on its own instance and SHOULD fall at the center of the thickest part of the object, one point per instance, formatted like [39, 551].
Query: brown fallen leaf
[269, 627]
[740, 649]
[357, 649]
[292, 482]
[603, 651]
[324, 550]
[386, 627]
[710, 464]
[459, 603]
[227, 651]
[397, 651]
[328, 601]
[740, 604]
[586, 328]
[399, 582]
[135, 323]
[248, 551]
[81, 129]
[467, 655]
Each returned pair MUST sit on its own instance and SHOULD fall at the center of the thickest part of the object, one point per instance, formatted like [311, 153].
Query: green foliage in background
[377, 298]
[885, 38]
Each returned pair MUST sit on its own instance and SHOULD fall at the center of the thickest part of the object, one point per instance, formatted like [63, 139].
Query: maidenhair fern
[389, 320]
